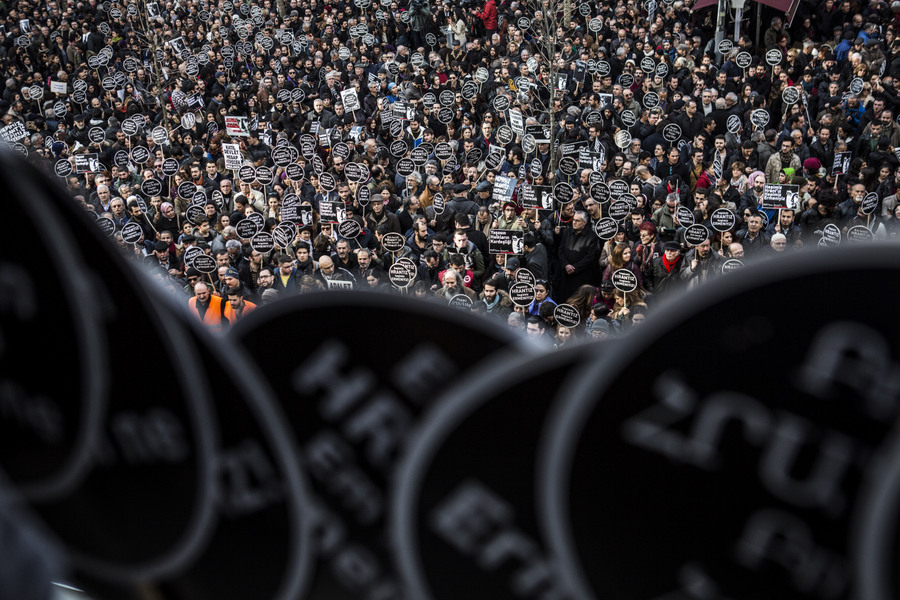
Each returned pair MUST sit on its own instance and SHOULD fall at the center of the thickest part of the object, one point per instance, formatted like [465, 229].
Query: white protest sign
[350, 100]
[237, 126]
[516, 122]
[232, 155]
[13, 132]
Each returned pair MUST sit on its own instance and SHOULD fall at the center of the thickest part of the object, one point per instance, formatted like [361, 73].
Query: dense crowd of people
[253, 133]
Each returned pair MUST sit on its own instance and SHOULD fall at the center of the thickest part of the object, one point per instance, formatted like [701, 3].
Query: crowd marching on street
[505, 157]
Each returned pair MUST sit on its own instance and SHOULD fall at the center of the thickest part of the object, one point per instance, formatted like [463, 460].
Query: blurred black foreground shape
[742, 445]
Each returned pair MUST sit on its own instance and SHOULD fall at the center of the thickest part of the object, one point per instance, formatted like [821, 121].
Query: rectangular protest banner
[399, 109]
[580, 70]
[237, 126]
[195, 102]
[289, 213]
[777, 196]
[324, 136]
[572, 148]
[503, 188]
[331, 212]
[306, 215]
[506, 241]
[528, 197]
[58, 87]
[13, 132]
[232, 155]
[516, 122]
[841, 163]
[87, 163]
[178, 46]
[334, 284]
[545, 197]
[585, 160]
[541, 133]
[350, 100]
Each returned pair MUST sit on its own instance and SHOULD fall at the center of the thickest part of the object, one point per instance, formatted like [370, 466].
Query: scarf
[670, 265]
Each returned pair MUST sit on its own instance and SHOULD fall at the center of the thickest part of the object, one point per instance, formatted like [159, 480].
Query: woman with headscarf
[167, 219]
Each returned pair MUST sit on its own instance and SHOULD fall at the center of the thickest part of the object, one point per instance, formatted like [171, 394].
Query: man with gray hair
[228, 233]
[102, 201]
[578, 254]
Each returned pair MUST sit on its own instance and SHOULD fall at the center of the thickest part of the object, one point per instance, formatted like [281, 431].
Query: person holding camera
[419, 14]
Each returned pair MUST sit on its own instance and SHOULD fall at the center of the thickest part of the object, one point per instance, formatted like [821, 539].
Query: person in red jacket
[489, 16]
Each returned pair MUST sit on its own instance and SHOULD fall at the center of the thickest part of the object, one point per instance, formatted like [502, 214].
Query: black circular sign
[443, 151]
[563, 192]
[619, 210]
[671, 132]
[399, 148]
[205, 263]
[170, 166]
[684, 215]
[246, 229]
[305, 382]
[566, 315]
[606, 228]
[264, 175]
[194, 213]
[96, 135]
[132, 232]
[399, 275]
[62, 167]
[294, 172]
[760, 117]
[187, 189]
[624, 280]
[696, 235]
[393, 242]
[419, 156]
[600, 192]
[405, 167]
[140, 155]
[722, 220]
[869, 203]
[106, 225]
[349, 229]
[521, 293]
[151, 187]
[713, 447]
[247, 174]
[262, 242]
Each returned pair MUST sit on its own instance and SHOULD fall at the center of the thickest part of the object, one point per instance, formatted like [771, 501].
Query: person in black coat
[536, 258]
[578, 253]
[665, 271]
